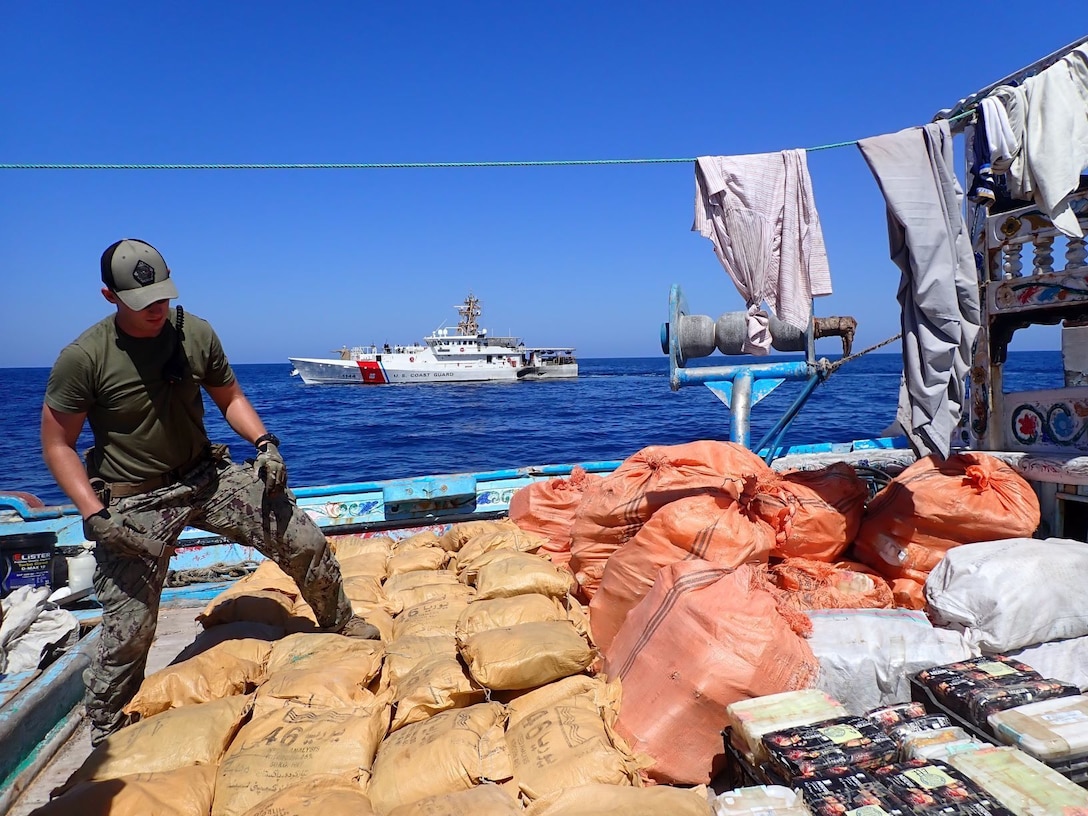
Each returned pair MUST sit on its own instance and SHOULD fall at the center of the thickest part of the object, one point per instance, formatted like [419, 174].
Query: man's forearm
[67, 469]
[242, 417]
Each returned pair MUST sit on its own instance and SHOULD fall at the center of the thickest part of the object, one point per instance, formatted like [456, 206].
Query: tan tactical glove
[270, 467]
[123, 538]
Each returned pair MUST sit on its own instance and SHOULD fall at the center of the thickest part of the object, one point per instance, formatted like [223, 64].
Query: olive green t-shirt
[143, 425]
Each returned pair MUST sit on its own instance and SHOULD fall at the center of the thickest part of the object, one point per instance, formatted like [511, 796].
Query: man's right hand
[103, 528]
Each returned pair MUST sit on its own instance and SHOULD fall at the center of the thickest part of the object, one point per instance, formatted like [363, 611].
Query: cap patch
[143, 273]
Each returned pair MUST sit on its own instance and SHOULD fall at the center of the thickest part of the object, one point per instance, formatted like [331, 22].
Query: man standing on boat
[135, 377]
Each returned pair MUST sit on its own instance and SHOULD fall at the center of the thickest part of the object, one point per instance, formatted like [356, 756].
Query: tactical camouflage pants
[220, 497]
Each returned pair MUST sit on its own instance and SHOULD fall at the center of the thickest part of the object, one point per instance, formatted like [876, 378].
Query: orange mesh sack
[935, 505]
[547, 508]
[814, 513]
[614, 509]
[806, 584]
[711, 527]
[703, 638]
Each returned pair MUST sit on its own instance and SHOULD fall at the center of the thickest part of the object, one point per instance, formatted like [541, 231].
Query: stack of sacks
[318, 712]
[703, 638]
[804, 517]
[867, 657]
[481, 697]
[614, 509]
[547, 508]
[1021, 597]
[237, 719]
[364, 565]
[488, 673]
[936, 505]
[164, 764]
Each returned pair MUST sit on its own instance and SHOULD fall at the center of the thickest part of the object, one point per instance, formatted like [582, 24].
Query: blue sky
[298, 262]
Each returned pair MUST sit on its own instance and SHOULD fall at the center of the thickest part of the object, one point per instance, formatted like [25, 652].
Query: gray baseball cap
[135, 272]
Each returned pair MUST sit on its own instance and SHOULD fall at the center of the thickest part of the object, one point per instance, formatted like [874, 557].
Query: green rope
[360, 165]
[335, 166]
[377, 165]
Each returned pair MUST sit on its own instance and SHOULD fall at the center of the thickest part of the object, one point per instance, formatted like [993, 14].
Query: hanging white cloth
[1056, 135]
[1038, 135]
[938, 289]
[760, 214]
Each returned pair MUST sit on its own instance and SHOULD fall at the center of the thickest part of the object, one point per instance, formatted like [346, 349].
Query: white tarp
[1065, 660]
[868, 656]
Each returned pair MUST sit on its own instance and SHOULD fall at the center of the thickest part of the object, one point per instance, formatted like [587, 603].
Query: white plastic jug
[81, 571]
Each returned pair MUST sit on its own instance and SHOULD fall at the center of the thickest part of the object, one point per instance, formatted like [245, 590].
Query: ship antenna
[469, 311]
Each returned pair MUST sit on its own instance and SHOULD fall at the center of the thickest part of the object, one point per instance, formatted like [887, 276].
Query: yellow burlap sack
[365, 565]
[181, 792]
[508, 539]
[521, 574]
[417, 578]
[302, 618]
[311, 650]
[366, 589]
[266, 606]
[569, 744]
[239, 630]
[483, 800]
[323, 795]
[435, 684]
[405, 598]
[456, 536]
[348, 546]
[289, 745]
[612, 800]
[427, 538]
[470, 568]
[450, 752]
[226, 669]
[606, 696]
[190, 735]
[579, 616]
[404, 654]
[342, 682]
[419, 558]
[435, 618]
[526, 655]
[377, 614]
[479, 616]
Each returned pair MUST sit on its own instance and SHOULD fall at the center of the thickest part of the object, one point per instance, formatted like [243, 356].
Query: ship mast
[469, 311]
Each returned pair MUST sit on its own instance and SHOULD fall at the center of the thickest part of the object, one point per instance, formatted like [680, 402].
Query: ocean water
[342, 433]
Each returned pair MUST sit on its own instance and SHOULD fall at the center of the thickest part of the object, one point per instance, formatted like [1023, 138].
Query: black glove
[270, 467]
[122, 538]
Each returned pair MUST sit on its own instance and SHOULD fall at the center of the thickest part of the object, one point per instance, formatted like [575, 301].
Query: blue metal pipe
[794, 370]
[772, 437]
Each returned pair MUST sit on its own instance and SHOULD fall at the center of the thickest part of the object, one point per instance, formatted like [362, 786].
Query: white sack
[867, 656]
[1065, 660]
[54, 629]
[1012, 593]
[31, 627]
